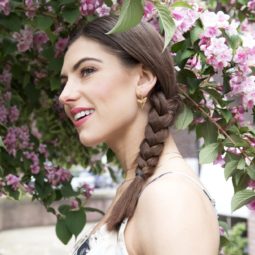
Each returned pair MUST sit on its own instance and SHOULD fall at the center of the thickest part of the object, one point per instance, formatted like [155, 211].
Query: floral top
[113, 243]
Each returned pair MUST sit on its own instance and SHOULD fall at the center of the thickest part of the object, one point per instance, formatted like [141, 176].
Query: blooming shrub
[214, 53]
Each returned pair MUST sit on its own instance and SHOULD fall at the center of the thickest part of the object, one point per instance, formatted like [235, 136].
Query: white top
[113, 243]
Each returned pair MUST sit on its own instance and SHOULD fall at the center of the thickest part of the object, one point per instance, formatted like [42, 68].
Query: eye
[87, 71]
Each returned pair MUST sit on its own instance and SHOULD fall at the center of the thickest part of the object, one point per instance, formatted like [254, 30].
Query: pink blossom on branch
[60, 46]
[40, 38]
[88, 7]
[31, 7]
[5, 7]
[24, 39]
[6, 76]
[103, 10]
[13, 181]
[251, 205]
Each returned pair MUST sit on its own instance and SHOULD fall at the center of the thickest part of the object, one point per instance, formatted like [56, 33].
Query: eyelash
[84, 70]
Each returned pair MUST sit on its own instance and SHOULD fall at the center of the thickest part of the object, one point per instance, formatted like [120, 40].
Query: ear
[147, 81]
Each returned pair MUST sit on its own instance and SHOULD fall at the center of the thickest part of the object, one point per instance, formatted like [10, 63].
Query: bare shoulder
[174, 216]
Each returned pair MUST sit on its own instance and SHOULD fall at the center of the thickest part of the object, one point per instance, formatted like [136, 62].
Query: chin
[88, 142]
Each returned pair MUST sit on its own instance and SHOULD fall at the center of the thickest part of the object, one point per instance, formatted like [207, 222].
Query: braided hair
[141, 44]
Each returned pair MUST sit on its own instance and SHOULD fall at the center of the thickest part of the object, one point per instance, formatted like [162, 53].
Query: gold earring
[141, 101]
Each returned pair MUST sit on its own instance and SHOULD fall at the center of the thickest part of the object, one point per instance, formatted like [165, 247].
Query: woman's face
[95, 82]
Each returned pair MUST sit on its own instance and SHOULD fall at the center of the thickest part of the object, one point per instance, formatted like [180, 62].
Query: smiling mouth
[80, 117]
[82, 114]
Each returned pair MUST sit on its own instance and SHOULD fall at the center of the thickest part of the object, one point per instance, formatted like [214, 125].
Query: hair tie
[139, 173]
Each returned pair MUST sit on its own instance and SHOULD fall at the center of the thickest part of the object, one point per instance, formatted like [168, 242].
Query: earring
[141, 101]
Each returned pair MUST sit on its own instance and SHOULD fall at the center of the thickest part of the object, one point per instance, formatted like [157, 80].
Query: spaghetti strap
[190, 178]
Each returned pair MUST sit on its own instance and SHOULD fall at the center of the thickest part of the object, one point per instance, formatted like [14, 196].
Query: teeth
[82, 114]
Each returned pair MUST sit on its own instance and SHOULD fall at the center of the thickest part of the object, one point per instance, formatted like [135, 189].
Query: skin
[112, 89]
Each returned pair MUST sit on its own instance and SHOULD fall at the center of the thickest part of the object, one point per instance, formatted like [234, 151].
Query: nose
[69, 94]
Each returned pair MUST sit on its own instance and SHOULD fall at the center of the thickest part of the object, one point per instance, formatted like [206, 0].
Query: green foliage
[237, 244]
[130, 15]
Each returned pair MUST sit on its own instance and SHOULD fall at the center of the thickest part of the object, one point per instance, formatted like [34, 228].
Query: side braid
[161, 116]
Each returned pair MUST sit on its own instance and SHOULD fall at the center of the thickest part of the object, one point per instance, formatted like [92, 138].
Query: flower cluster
[60, 46]
[35, 166]
[17, 138]
[88, 7]
[184, 19]
[13, 181]
[5, 7]
[56, 175]
[31, 7]
[26, 39]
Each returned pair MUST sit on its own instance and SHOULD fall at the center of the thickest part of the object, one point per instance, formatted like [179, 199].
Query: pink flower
[251, 184]
[5, 7]
[13, 114]
[219, 160]
[7, 96]
[31, 7]
[149, 10]
[74, 204]
[56, 175]
[3, 114]
[29, 188]
[103, 10]
[218, 53]
[24, 39]
[60, 46]
[251, 5]
[6, 76]
[43, 150]
[238, 112]
[39, 39]
[88, 7]
[35, 166]
[87, 190]
[222, 231]
[13, 181]
[184, 19]
[251, 205]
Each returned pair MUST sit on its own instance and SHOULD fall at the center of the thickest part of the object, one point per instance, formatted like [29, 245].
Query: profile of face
[99, 92]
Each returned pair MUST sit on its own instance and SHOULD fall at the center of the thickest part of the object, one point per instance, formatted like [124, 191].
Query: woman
[120, 89]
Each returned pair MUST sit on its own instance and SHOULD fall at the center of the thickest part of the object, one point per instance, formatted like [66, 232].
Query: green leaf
[167, 22]
[71, 16]
[209, 153]
[251, 171]
[208, 131]
[75, 221]
[11, 22]
[195, 33]
[43, 22]
[184, 118]
[180, 4]
[62, 231]
[241, 198]
[241, 164]
[54, 84]
[2, 143]
[67, 190]
[130, 15]
[64, 209]
[230, 168]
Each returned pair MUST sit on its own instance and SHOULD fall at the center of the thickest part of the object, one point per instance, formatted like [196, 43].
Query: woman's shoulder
[175, 205]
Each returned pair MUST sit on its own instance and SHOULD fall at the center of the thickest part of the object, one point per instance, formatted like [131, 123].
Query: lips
[77, 110]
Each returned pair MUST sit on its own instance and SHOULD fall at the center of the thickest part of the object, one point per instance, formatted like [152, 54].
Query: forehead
[84, 47]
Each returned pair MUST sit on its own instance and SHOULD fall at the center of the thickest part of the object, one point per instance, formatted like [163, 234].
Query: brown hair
[141, 44]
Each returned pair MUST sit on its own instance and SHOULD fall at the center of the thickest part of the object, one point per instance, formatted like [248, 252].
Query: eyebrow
[77, 65]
